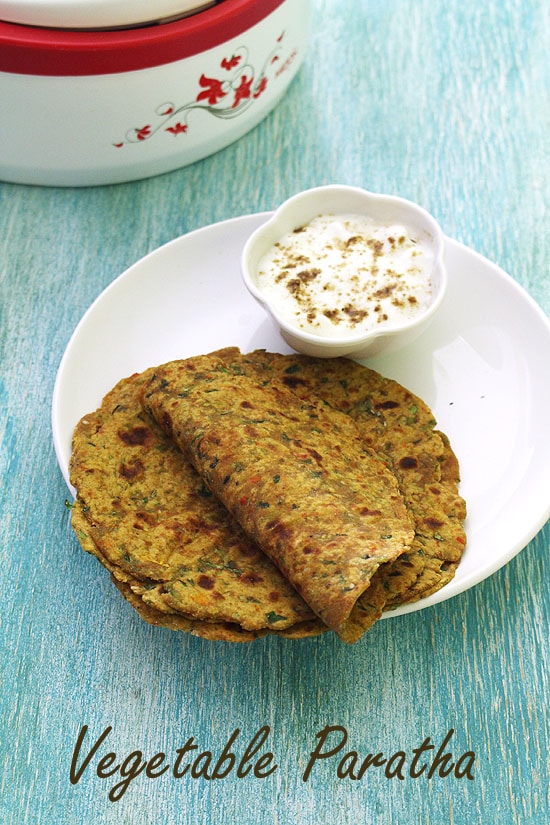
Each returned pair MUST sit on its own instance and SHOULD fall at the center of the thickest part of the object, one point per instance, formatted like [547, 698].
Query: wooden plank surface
[442, 102]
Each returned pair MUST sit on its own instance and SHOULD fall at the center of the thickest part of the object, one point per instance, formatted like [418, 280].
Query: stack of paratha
[234, 495]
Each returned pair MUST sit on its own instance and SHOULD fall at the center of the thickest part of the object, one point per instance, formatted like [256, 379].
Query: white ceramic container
[88, 107]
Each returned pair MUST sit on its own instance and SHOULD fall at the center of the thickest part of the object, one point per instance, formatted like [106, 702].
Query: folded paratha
[400, 428]
[295, 474]
[183, 561]
[171, 547]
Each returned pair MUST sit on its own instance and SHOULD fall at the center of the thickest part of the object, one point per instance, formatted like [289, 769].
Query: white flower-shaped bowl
[345, 200]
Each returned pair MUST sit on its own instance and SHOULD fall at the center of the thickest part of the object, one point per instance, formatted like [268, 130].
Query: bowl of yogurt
[343, 271]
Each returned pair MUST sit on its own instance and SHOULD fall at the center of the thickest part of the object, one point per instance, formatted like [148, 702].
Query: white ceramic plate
[483, 366]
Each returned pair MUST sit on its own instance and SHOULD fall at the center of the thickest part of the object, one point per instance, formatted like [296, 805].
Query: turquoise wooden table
[444, 103]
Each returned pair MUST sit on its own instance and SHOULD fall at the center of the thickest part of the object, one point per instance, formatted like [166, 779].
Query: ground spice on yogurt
[346, 274]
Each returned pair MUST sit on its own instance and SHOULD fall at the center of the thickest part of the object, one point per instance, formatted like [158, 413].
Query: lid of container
[37, 50]
[96, 14]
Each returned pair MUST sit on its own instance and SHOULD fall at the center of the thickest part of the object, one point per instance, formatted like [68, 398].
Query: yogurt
[345, 275]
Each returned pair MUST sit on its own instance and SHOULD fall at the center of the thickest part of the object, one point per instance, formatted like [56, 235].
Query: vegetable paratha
[144, 512]
[346, 494]
[294, 473]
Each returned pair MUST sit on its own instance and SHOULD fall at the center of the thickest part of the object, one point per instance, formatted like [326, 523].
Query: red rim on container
[36, 50]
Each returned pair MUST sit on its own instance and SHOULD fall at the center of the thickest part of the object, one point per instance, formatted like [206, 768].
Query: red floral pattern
[231, 63]
[177, 128]
[225, 96]
[143, 133]
[243, 91]
[213, 90]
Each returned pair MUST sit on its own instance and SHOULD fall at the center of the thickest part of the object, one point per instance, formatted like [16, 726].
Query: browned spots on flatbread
[132, 470]
[136, 436]
[181, 558]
